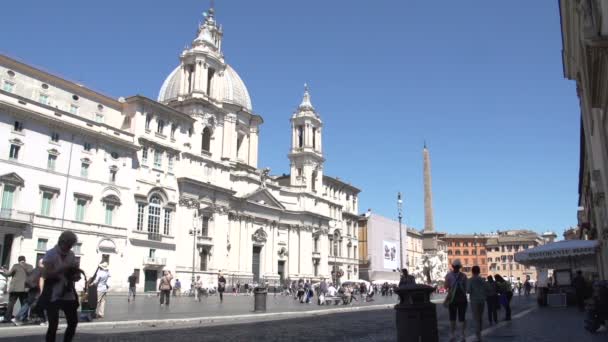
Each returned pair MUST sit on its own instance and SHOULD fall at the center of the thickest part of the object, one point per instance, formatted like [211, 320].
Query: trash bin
[416, 316]
[259, 299]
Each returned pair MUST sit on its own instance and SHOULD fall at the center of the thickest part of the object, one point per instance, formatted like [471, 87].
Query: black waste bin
[416, 316]
[259, 299]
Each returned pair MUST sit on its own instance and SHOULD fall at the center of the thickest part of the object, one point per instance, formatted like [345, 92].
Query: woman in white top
[101, 280]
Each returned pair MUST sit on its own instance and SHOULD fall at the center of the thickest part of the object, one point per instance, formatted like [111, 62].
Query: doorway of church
[150, 277]
[281, 271]
[255, 263]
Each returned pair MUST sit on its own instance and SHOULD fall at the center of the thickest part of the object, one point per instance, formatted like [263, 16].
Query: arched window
[300, 136]
[457, 253]
[314, 181]
[206, 145]
[465, 252]
[154, 214]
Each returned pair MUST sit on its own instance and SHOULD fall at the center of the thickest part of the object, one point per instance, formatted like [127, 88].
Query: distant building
[500, 249]
[380, 250]
[572, 233]
[470, 249]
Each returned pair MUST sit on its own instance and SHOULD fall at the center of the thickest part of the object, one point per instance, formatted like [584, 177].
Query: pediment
[12, 178]
[263, 197]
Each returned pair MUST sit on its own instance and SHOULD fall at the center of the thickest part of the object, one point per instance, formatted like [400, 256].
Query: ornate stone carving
[259, 236]
[264, 175]
[189, 202]
[283, 252]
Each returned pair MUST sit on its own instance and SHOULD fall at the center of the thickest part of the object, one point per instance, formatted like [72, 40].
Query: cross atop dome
[306, 104]
[209, 33]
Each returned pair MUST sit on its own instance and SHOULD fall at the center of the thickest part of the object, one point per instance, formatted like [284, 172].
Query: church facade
[169, 184]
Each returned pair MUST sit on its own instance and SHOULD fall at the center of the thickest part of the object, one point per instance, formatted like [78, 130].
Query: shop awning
[559, 253]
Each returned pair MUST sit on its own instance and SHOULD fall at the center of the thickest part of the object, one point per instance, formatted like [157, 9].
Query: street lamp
[400, 209]
[194, 232]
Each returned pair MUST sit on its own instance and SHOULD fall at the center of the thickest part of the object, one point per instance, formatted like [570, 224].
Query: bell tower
[306, 156]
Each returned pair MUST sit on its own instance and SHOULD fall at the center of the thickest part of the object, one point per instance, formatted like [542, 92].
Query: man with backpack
[18, 273]
[456, 284]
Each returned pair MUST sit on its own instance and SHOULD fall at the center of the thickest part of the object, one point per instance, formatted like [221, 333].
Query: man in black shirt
[132, 283]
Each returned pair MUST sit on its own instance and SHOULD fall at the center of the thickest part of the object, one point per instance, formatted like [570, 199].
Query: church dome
[231, 85]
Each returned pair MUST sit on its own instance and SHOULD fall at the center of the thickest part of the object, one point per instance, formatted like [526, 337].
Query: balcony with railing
[154, 261]
[16, 216]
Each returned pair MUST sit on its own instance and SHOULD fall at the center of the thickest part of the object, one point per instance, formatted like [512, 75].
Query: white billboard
[390, 252]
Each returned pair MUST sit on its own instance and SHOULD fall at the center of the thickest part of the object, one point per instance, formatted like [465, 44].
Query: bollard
[259, 299]
[416, 316]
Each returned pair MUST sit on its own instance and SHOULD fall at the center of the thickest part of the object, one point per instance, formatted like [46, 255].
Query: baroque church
[169, 184]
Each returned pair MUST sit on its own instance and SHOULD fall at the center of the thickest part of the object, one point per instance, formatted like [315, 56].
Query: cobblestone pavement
[376, 325]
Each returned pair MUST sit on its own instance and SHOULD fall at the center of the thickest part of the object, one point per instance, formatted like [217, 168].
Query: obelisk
[429, 225]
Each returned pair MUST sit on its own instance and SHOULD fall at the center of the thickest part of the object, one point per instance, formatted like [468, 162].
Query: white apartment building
[171, 184]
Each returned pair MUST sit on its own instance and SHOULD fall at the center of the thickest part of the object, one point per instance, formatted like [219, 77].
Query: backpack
[460, 295]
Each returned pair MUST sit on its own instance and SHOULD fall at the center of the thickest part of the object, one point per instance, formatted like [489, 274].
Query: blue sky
[481, 82]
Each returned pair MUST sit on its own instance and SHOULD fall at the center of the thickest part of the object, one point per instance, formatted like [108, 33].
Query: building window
[160, 126]
[316, 269]
[148, 120]
[84, 169]
[210, 74]
[99, 117]
[204, 259]
[80, 208]
[47, 199]
[141, 207]
[300, 132]
[42, 244]
[206, 143]
[170, 162]
[74, 109]
[158, 161]
[51, 162]
[8, 193]
[173, 129]
[14, 152]
[109, 213]
[355, 255]
[144, 156]
[8, 86]
[113, 175]
[18, 126]
[154, 215]
[87, 146]
[167, 226]
[239, 144]
[205, 226]
[316, 245]
[55, 137]
[44, 99]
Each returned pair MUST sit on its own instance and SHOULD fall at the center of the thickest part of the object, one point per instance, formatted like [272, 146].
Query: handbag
[448, 298]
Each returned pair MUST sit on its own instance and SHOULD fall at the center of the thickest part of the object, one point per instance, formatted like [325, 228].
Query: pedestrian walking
[60, 271]
[322, 291]
[477, 289]
[456, 284]
[165, 288]
[221, 286]
[101, 280]
[34, 283]
[238, 287]
[527, 286]
[505, 293]
[177, 289]
[492, 300]
[198, 288]
[132, 280]
[16, 289]
[580, 287]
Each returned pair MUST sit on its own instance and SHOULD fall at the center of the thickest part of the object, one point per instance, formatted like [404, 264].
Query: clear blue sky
[481, 82]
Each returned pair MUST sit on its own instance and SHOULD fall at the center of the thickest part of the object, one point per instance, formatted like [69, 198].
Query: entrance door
[150, 277]
[281, 271]
[255, 263]
[6, 252]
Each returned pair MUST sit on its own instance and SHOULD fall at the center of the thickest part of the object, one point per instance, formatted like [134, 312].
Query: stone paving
[376, 325]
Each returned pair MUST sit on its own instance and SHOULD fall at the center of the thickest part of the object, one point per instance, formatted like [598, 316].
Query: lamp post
[400, 209]
[194, 231]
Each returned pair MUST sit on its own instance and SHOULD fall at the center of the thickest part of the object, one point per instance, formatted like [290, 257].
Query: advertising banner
[390, 253]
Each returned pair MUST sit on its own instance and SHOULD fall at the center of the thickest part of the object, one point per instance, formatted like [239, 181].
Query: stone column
[429, 225]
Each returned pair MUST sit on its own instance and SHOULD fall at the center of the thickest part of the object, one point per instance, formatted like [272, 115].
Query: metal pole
[399, 209]
[194, 221]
